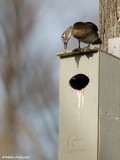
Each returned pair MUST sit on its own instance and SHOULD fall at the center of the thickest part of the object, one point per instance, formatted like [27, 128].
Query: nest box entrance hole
[79, 81]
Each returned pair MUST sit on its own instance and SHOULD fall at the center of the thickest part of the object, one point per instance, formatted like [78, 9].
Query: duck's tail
[97, 41]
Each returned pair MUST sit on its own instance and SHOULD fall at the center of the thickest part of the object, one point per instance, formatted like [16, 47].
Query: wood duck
[85, 32]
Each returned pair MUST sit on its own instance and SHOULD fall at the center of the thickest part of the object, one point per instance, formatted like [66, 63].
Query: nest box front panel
[78, 122]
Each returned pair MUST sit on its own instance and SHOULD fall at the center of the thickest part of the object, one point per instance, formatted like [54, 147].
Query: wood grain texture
[109, 107]
[109, 89]
[109, 139]
[82, 51]
[109, 21]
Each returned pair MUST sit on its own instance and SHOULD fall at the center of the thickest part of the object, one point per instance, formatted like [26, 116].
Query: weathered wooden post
[89, 122]
[109, 21]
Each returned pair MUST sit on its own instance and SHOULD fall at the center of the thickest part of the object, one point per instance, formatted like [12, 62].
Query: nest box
[89, 106]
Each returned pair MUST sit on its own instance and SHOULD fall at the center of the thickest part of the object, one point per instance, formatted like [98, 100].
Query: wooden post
[109, 21]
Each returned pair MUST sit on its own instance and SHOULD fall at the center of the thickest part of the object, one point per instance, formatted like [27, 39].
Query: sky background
[35, 86]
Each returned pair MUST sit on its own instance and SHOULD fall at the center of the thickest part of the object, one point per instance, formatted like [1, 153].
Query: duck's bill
[65, 45]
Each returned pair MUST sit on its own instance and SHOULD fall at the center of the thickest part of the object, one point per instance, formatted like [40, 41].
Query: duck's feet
[78, 49]
[86, 49]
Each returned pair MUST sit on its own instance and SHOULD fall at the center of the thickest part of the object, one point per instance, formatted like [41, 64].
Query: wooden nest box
[89, 121]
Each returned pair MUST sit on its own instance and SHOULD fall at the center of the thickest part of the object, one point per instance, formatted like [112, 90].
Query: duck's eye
[63, 36]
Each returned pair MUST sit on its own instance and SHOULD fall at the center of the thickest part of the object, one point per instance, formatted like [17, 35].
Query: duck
[86, 32]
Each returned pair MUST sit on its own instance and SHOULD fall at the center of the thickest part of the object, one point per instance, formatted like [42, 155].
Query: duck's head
[66, 36]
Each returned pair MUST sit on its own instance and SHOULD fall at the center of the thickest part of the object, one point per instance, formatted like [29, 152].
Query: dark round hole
[79, 81]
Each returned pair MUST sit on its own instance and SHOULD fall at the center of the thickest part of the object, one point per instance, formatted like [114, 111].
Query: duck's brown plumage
[81, 29]
[86, 32]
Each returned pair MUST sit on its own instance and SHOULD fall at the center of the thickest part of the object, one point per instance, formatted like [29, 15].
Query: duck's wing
[80, 29]
[92, 26]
